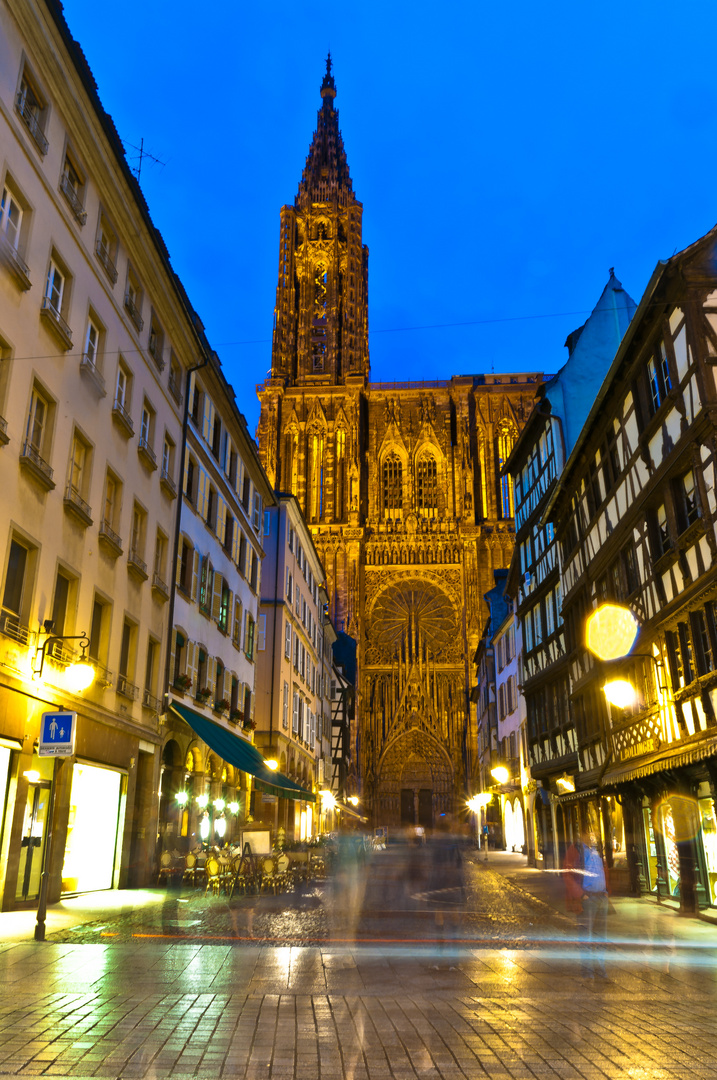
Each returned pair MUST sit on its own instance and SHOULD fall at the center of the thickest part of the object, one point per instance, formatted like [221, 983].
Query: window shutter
[285, 715]
[196, 567]
[178, 573]
[236, 632]
[313, 730]
[217, 595]
[288, 584]
[211, 674]
[261, 633]
[203, 494]
[192, 657]
[236, 538]
[221, 518]
[295, 715]
[207, 419]
[287, 641]
[256, 519]
[186, 474]
[227, 455]
[172, 653]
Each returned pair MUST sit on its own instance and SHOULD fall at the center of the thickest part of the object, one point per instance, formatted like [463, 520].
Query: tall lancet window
[318, 321]
[504, 441]
[315, 493]
[427, 486]
[289, 477]
[340, 485]
[392, 486]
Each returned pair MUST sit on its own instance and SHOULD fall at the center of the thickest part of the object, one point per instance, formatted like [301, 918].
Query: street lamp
[501, 774]
[610, 631]
[620, 692]
[80, 674]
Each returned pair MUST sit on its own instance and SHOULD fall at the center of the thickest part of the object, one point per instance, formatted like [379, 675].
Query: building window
[661, 532]
[295, 714]
[427, 486]
[139, 527]
[123, 390]
[504, 445]
[38, 423]
[224, 608]
[31, 108]
[392, 485]
[236, 632]
[79, 470]
[128, 653]
[175, 378]
[72, 186]
[11, 215]
[658, 376]
[156, 342]
[287, 641]
[249, 637]
[55, 287]
[687, 500]
[106, 248]
[186, 567]
[285, 708]
[150, 668]
[261, 634]
[100, 629]
[133, 299]
[18, 585]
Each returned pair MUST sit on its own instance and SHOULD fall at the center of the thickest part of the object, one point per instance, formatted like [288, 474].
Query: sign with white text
[57, 734]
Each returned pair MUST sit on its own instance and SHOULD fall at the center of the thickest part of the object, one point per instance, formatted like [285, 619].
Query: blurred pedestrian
[593, 918]
[573, 878]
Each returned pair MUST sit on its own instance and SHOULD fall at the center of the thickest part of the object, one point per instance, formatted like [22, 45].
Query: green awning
[242, 754]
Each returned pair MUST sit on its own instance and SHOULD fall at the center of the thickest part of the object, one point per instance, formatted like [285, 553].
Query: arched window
[340, 484]
[427, 486]
[505, 441]
[392, 486]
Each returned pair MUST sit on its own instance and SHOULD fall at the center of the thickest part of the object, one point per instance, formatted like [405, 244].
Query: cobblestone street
[514, 1006]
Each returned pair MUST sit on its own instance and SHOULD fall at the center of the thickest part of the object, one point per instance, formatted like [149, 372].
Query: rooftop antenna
[140, 156]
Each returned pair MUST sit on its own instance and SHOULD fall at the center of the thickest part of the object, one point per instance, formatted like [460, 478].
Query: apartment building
[290, 708]
[217, 630]
[513, 779]
[96, 335]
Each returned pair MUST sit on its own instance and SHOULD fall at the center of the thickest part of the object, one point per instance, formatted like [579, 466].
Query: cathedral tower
[401, 487]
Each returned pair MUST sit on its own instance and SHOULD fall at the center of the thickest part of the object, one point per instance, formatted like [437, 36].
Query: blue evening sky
[506, 156]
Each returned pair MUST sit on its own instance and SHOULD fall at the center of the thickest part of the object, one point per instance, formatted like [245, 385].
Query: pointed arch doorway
[416, 793]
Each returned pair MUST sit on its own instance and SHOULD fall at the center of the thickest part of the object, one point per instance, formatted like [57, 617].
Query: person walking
[593, 917]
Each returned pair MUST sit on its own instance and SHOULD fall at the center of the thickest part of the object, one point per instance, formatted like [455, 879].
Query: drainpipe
[177, 527]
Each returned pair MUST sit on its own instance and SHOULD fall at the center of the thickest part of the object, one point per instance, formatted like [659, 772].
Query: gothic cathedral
[401, 486]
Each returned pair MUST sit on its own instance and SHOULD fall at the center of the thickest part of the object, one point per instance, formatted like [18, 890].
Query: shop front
[95, 824]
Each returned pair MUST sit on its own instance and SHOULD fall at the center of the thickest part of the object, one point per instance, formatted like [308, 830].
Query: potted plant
[183, 682]
[203, 694]
[236, 715]
[249, 725]
[221, 705]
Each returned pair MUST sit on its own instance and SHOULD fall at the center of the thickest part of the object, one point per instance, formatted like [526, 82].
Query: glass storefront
[93, 830]
[34, 828]
[708, 830]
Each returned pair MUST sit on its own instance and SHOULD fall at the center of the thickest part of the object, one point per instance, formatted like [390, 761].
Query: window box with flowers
[236, 716]
[221, 705]
[183, 683]
[204, 694]
[249, 725]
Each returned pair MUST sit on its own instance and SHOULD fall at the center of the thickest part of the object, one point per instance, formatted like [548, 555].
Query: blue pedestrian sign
[57, 734]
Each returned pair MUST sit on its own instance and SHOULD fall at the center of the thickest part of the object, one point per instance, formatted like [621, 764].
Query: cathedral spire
[326, 172]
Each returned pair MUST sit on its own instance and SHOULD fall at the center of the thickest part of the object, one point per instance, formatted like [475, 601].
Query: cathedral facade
[401, 486]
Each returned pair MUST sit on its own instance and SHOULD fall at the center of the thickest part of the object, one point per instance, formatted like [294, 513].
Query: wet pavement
[406, 979]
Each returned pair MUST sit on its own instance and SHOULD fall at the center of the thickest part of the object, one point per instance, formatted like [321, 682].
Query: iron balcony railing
[73, 496]
[168, 481]
[31, 122]
[49, 309]
[160, 584]
[121, 413]
[11, 627]
[30, 453]
[135, 560]
[11, 252]
[88, 367]
[126, 688]
[149, 701]
[108, 533]
[155, 348]
[144, 448]
[133, 312]
[72, 198]
[104, 256]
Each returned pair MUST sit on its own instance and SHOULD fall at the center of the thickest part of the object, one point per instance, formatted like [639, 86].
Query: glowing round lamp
[271, 763]
[620, 692]
[234, 807]
[219, 805]
[204, 827]
[182, 798]
[327, 800]
[220, 827]
[79, 676]
[203, 801]
[32, 775]
[354, 800]
[501, 774]
[611, 631]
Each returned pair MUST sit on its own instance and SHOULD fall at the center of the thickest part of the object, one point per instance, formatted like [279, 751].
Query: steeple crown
[328, 86]
[326, 173]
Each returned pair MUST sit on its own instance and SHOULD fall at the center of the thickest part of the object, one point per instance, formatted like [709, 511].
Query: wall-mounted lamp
[81, 673]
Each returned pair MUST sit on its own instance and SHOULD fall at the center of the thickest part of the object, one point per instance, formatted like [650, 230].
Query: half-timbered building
[562, 404]
[635, 514]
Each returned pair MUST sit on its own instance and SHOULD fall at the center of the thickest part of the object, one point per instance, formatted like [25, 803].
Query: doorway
[408, 810]
[34, 829]
[425, 808]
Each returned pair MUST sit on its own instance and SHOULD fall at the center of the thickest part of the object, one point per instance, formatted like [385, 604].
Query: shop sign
[57, 734]
[645, 746]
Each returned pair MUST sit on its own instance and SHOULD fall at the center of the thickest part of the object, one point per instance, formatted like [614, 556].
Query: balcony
[15, 264]
[147, 454]
[173, 387]
[103, 255]
[56, 323]
[126, 688]
[109, 539]
[11, 627]
[36, 466]
[133, 312]
[88, 369]
[149, 701]
[122, 419]
[76, 505]
[31, 122]
[155, 351]
[160, 586]
[73, 199]
[136, 565]
[168, 484]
